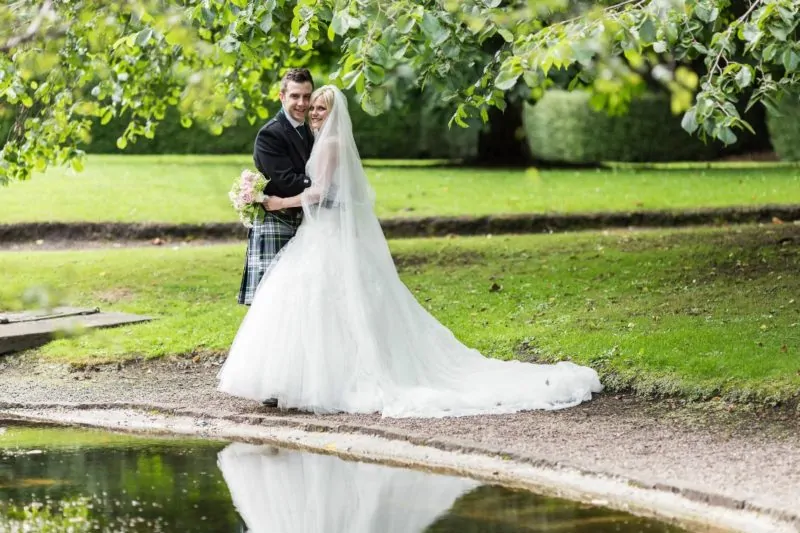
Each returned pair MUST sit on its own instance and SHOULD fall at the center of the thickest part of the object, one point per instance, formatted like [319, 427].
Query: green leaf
[144, 36]
[790, 59]
[76, 164]
[706, 13]
[186, 122]
[401, 52]
[647, 31]
[266, 23]
[507, 77]
[686, 77]
[404, 24]
[750, 33]
[506, 35]
[744, 77]
[375, 74]
[727, 136]
[352, 22]
[122, 142]
[339, 23]
[689, 121]
[351, 78]
[779, 32]
[107, 116]
[671, 29]
[379, 54]
[433, 29]
[373, 101]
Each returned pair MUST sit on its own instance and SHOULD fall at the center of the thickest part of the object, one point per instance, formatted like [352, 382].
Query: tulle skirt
[332, 328]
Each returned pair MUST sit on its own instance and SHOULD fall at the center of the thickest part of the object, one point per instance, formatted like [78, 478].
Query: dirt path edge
[411, 227]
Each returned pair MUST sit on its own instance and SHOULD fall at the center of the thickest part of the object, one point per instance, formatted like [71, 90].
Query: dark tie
[301, 129]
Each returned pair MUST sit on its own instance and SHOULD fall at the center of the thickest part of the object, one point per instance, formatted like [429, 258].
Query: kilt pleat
[264, 240]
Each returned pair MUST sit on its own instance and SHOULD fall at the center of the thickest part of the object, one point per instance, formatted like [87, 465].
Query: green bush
[172, 138]
[784, 127]
[562, 127]
[414, 132]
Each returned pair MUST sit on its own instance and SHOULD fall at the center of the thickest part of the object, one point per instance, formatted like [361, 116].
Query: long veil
[337, 175]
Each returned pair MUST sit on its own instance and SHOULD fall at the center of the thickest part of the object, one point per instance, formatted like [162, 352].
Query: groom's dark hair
[297, 75]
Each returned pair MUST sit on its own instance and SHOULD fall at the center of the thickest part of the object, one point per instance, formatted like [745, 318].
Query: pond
[91, 480]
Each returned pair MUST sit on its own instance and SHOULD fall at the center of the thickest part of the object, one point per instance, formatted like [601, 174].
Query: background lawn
[698, 312]
[190, 189]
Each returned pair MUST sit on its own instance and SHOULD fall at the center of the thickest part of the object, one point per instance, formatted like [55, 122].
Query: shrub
[562, 127]
[784, 127]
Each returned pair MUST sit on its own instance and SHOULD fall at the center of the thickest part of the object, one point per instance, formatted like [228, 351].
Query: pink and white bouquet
[247, 194]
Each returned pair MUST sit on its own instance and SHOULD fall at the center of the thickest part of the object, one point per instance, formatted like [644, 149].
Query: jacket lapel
[294, 137]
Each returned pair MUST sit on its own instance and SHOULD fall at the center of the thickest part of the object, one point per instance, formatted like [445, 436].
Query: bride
[332, 328]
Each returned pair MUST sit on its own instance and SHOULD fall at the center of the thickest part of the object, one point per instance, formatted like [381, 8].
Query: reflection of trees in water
[175, 486]
[494, 509]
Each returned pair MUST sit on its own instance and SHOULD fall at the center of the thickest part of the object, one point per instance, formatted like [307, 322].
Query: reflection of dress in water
[281, 491]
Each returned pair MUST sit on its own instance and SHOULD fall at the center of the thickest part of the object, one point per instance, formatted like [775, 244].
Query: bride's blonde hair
[326, 93]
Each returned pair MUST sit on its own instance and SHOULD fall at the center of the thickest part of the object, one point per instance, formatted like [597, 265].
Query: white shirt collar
[292, 121]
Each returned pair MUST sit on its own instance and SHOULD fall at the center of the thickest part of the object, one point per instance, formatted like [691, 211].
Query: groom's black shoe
[270, 402]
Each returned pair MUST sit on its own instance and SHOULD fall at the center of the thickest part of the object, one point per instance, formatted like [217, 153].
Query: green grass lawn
[184, 189]
[697, 313]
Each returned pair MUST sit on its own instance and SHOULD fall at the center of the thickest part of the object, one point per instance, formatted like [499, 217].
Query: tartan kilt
[264, 240]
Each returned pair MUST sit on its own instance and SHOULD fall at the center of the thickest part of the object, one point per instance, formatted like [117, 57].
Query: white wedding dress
[332, 328]
[286, 491]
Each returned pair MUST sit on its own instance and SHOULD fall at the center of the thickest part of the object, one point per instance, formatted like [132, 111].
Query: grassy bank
[698, 313]
[190, 189]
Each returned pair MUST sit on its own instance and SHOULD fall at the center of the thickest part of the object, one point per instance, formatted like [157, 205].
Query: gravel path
[734, 459]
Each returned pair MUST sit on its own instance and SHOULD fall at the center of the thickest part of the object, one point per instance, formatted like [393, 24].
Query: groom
[282, 148]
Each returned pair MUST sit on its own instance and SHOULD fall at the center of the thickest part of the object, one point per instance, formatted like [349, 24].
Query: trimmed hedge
[562, 127]
[784, 127]
[411, 133]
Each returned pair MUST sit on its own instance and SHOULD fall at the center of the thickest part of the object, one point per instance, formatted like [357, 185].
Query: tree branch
[735, 24]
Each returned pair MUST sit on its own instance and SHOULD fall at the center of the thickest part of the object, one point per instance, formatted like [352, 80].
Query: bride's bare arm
[321, 181]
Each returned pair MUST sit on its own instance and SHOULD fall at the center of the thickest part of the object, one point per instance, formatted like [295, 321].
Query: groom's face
[295, 99]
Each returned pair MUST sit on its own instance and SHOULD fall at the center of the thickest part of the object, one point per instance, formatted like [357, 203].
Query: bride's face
[319, 112]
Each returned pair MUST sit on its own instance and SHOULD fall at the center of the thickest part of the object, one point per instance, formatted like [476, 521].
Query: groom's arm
[271, 155]
[322, 190]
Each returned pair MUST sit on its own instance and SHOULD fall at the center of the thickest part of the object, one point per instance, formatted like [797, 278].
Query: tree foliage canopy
[63, 63]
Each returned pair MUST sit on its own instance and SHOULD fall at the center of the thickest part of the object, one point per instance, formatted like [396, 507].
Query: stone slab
[8, 317]
[22, 331]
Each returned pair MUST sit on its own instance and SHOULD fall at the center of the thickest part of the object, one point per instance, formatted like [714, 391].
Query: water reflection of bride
[284, 491]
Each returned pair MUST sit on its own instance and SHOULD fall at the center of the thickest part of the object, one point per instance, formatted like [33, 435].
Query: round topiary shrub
[783, 124]
[563, 127]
